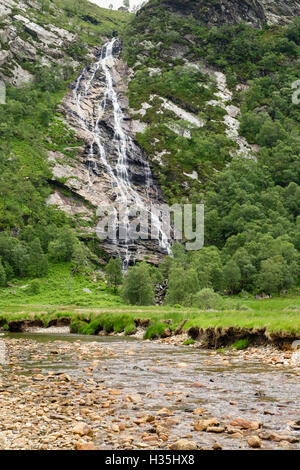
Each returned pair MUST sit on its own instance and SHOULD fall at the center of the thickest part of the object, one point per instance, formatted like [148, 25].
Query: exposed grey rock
[255, 12]
[44, 42]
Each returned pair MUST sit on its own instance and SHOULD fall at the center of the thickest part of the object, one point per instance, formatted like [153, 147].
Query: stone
[164, 412]
[215, 429]
[86, 290]
[199, 411]
[3, 442]
[85, 446]
[184, 444]
[245, 424]
[82, 429]
[254, 442]
[217, 446]
[203, 424]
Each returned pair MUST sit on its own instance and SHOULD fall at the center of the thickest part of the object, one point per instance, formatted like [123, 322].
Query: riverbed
[69, 391]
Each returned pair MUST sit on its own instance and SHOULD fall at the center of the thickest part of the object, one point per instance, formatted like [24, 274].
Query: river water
[158, 376]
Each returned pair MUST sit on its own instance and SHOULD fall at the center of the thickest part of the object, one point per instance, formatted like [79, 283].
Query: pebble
[184, 444]
[47, 408]
[255, 442]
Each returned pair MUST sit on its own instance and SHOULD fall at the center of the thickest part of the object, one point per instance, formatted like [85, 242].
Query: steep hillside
[217, 13]
[212, 89]
[201, 90]
[44, 45]
[38, 33]
[188, 82]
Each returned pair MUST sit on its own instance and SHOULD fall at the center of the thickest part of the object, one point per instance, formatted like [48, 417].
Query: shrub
[78, 327]
[34, 287]
[189, 341]
[207, 299]
[113, 273]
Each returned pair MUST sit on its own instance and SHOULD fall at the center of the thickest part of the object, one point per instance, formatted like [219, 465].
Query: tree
[270, 133]
[275, 275]
[232, 276]
[80, 259]
[63, 247]
[182, 285]
[38, 261]
[113, 271]
[208, 265]
[138, 286]
[2, 275]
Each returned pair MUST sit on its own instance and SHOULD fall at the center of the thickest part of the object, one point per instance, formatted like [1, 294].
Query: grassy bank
[91, 306]
[276, 315]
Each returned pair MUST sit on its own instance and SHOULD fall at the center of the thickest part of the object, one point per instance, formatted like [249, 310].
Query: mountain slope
[217, 13]
[213, 96]
[205, 71]
[210, 104]
[44, 44]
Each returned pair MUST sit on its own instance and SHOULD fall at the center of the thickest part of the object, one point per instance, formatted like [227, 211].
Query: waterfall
[119, 172]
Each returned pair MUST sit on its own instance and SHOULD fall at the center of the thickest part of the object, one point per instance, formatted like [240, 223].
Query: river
[135, 394]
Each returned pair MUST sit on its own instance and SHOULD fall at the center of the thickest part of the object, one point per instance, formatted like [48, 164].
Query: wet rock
[273, 436]
[203, 424]
[254, 442]
[245, 424]
[164, 413]
[217, 446]
[199, 411]
[184, 444]
[215, 429]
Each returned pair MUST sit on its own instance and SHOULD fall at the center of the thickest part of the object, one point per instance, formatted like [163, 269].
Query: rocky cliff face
[96, 108]
[218, 13]
[25, 43]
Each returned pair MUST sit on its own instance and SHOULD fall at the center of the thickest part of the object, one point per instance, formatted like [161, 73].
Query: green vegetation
[188, 342]
[113, 271]
[276, 315]
[139, 284]
[154, 331]
[240, 344]
[252, 208]
[252, 211]
[32, 234]
[61, 287]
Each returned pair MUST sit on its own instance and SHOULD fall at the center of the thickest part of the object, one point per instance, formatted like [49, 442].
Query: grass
[59, 288]
[240, 344]
[188, 342]
[62, 295]
[120, 318]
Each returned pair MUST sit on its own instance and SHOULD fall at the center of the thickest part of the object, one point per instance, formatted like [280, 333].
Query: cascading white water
[125, 193]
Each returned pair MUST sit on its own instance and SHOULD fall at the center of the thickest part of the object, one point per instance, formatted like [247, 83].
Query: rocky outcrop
[255, 12]
[93, 176]
[25, 43]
